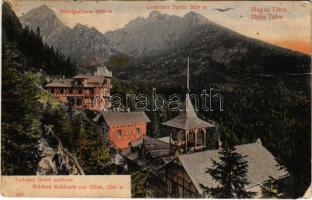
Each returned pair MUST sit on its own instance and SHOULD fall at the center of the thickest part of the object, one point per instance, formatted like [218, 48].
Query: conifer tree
[94, 154]
[230, 173]
[20, 112]
[138, 184]
[270, 189]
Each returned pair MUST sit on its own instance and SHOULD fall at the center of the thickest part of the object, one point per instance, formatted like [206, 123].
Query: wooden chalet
[123, 127]
[179, 175]
[84, 91]
[186, 174]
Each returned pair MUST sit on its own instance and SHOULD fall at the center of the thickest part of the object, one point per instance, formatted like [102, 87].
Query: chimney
[219, 144]
[259, 141]
[219, 141]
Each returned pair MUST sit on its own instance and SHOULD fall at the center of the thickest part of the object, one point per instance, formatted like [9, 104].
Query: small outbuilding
[123, 127]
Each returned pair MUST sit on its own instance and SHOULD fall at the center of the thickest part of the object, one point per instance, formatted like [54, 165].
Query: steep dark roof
[152, 154]
[63, 82]
[261, 165]
[187, 119]
[80, 76]
[123, 118]
[155, 147]
[91, 79]
[95, 79]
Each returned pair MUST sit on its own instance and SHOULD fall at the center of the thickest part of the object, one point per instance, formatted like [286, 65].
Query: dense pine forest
[258, 108]
[23, 55]
[27, 64]
[32, 51]
[276, 109]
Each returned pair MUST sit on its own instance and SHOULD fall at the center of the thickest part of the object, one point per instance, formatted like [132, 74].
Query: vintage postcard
[156, 99]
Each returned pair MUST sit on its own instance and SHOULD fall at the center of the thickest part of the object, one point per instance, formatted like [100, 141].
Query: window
[174, 190]
[137, 130]
[79, 102]
[105, 84]
[119, 133]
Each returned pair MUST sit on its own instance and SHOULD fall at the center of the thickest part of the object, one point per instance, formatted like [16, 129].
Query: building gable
[261, 165]
[123, 118]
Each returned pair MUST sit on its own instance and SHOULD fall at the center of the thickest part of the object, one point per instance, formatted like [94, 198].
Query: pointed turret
[189, 123]
[188, 119]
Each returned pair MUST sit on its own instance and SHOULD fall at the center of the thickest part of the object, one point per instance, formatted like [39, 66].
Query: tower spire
[187, 98]
[188, 75]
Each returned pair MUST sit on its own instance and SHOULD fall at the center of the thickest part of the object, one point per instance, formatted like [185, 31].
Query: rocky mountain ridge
[158, 44]
[87, 46]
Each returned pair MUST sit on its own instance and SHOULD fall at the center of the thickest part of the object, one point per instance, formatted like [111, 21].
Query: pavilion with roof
[191, 134]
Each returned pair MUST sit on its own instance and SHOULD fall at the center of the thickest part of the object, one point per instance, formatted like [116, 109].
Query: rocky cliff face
[86, 46]
[51, 27]
[140, 37]
[157, 33]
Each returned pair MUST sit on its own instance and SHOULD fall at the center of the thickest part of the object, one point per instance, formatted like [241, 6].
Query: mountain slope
[28, 48]
[140, 37]
[86, 46]
[50, 26]
[156, 33]
[215, 51]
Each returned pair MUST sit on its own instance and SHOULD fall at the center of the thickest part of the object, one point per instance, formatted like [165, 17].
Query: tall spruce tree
[230, 173]
[93, 153]
[270, 189]
[21, 112]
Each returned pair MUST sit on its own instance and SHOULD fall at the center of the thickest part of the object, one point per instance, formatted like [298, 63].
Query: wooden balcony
[190, 147]
[72, 95]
